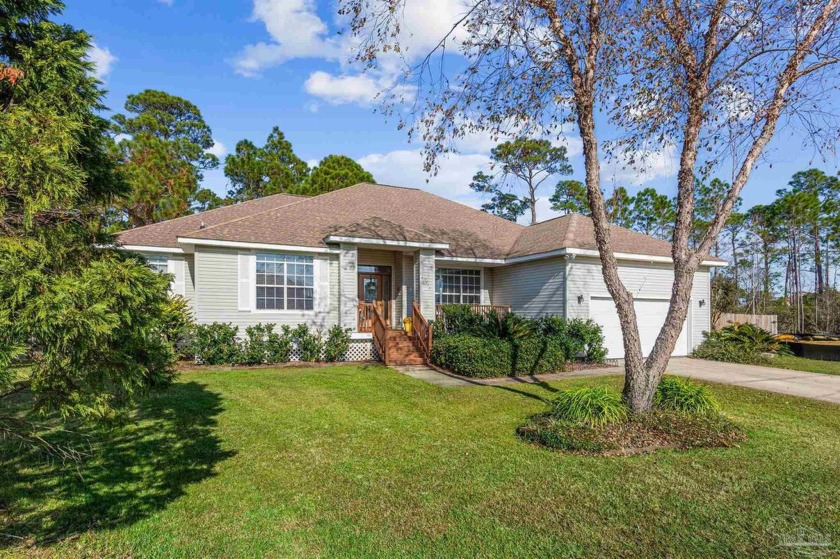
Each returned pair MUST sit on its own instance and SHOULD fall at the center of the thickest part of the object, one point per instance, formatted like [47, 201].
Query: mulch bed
[639, 434]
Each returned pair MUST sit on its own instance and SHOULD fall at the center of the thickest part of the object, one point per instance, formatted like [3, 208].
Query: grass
[353, 461]
[803, 364]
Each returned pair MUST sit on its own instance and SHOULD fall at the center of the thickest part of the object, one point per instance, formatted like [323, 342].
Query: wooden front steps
[402, 350]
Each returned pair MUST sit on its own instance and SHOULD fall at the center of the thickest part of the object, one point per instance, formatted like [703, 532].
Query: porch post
[424, 281]
[348, 290]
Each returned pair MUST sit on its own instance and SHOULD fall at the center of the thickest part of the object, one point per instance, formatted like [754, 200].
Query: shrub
[279, 346]
[264, 345]
[309, 343]
[589, 406]
[683, 396]
[535, 356]
[215, 344]
[337, 343]
[739, 343]
[472, 356]
[579, 338]
[485, 357]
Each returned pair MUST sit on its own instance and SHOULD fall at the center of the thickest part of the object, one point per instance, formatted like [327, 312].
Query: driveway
[783, 381]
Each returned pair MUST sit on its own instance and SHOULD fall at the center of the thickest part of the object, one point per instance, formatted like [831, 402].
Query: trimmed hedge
[482, 357]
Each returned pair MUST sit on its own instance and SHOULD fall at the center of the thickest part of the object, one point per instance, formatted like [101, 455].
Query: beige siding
[189, 278]
[373, 257]
[531, 289]
[348, 286]
[645, 281]
[217, 297]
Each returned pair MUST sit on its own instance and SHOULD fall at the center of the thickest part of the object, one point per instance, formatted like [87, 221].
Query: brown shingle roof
[388, 212]
[166, 233]
[578, 231]
[411, 214]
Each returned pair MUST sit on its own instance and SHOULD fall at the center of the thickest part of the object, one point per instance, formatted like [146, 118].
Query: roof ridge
[243, 202]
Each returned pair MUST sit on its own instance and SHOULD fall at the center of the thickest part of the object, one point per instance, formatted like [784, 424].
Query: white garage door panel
[650, 315]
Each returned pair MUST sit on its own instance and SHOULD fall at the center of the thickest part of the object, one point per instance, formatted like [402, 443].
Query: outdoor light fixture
[580, 299]
[702, 302]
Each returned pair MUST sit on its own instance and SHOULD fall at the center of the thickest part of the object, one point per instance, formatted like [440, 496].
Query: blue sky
[253, 64]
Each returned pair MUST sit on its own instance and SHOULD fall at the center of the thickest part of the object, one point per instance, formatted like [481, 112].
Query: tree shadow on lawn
[132, 472]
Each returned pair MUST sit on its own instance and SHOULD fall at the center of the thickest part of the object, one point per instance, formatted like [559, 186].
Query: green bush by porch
[491, 345]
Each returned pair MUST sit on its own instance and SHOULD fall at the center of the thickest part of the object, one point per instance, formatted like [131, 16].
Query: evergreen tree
[619, 207]
[255, 172]
[653, 213]
[523, 162]
[164, 155]
[335, 172]
[89, 320]
[570, 197]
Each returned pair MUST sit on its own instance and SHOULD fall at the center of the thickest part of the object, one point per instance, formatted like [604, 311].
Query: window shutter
[176, 268]
[246, 282]
[321, 271]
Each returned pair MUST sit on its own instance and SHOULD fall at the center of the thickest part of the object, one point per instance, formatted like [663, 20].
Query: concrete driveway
[783, 381]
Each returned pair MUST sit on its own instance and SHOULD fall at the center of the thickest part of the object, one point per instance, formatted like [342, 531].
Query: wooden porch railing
[380, 334]
[482, 310]
[422, 332]
[365, 316]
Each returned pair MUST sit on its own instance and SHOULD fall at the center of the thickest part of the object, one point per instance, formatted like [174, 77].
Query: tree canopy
[523, 164]
[274, 168]
[333, 173]
[164, 154]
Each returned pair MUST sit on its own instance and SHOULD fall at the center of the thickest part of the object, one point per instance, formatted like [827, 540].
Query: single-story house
[339, 257]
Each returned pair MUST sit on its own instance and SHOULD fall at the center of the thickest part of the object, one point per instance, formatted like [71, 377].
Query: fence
[769, 322]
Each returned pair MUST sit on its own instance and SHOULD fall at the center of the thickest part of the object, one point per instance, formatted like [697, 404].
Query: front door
[374, 289]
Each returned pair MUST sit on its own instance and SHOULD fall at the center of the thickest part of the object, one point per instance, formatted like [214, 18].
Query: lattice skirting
[360, 350]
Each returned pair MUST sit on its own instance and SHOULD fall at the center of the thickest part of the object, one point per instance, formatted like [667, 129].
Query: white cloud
[405, 168]
[296, 32]
[102, 60]
[640, 167]
[219, 149]
[166, 2]
[359, 89]
[312, 107]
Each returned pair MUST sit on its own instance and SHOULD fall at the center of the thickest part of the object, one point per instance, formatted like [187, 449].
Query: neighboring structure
[334, 258]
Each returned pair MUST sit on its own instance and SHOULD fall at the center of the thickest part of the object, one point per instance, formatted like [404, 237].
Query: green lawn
[809, 365]
[365, 462]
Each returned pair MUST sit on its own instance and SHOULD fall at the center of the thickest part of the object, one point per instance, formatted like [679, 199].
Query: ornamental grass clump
[589, 406]
[684, 397]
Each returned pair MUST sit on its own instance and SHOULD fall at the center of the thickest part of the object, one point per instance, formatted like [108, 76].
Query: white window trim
[480, 285]
[318, 297]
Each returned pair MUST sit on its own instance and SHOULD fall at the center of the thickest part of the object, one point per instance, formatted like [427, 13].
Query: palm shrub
[216, 344]
[589, 406]
[337, 343]
[739, 343]
[685, 397]
[309, 343]
[508, 327]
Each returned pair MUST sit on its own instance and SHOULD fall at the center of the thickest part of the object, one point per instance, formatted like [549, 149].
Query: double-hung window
[285, 282]
[158, 263]
[455, 286]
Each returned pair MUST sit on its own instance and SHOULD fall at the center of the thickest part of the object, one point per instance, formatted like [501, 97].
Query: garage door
[650, 314]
